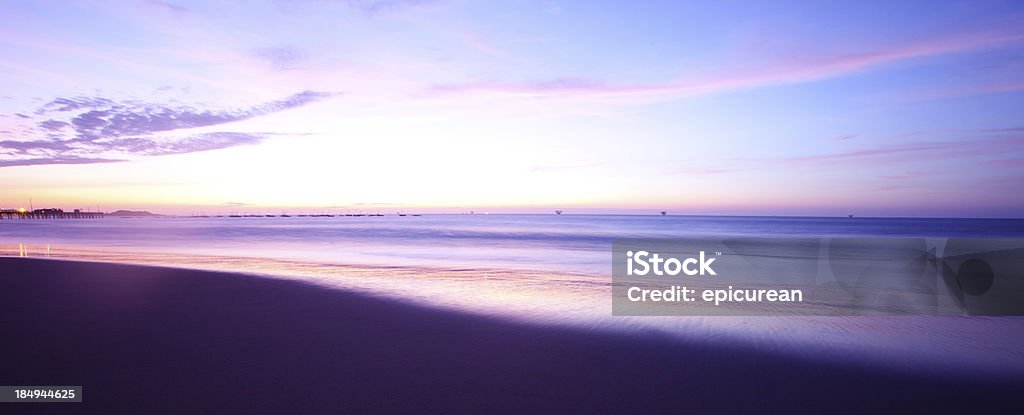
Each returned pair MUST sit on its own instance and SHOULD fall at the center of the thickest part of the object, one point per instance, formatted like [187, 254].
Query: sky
[753, 108]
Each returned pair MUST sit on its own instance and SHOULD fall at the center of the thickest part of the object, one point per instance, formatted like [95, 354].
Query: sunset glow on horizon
[178, 107]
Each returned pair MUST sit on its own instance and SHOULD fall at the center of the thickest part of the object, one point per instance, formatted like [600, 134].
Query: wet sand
[163, 340]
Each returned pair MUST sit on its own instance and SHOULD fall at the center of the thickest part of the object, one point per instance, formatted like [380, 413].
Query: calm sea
[543, 269]
[560, 243]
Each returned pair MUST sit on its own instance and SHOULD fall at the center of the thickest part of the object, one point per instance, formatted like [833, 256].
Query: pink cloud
[481, 45]
[900, 176]
[1014, 162]
[922, 150]
[886, 155]
[700, 170]
[788, 71]
[893, 187]
[995, 88]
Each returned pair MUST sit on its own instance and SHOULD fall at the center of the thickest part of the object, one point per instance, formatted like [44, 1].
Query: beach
[547, 207]
[163, 340]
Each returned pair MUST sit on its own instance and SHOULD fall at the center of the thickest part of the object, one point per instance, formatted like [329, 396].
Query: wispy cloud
[892, 187]
[886, 154]
[280, 57]
[374, 7]
[168, 6]
[80, 130]
[693, 170]
[992, 144]
[1013, 162]
[54, 160]
[903, 176]
[792, 70]
[188, 144]
[104, 118]
[479, 44]
[371, 7]
[993, 88]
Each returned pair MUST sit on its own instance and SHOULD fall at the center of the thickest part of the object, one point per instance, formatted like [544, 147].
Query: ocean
[562, 243]
[543, 269]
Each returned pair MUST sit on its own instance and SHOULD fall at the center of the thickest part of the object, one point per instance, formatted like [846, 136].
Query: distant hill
[132, 213]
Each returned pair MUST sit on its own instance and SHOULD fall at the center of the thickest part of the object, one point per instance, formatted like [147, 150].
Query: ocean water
[560, 243]
[543, 269]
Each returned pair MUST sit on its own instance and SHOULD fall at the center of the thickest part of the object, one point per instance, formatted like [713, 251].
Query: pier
[47, 214]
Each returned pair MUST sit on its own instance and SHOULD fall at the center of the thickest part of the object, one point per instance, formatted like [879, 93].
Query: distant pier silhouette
[49, 213]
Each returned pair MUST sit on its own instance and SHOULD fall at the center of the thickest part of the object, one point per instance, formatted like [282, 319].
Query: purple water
[544, 269]
[562, 243]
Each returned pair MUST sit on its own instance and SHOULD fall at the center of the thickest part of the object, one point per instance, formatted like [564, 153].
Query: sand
[152, 340]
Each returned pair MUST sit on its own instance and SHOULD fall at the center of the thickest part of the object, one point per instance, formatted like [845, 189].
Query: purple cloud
[55, 160]
[374, 7]
[30, 153]
[995, 88]
[105, 118]
[1014, 162]
[822, 65]
[994, 144]
[951, 149]
[174, 8]
[53, 125]
[190, 144]
[700, 170]
[900, 176]
[280, 57]
[29, 146]
[74, 104]
[96, 127]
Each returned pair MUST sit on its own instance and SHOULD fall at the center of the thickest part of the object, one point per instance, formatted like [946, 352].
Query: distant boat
[851, 216]
[663, 213]
[558, 212]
